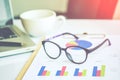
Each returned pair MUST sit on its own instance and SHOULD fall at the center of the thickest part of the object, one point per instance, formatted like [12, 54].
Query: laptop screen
[5, 13]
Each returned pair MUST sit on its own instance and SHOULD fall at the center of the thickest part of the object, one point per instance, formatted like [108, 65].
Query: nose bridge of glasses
[63, 49]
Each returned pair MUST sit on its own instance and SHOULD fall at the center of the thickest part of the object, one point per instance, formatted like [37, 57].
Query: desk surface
[10, 66]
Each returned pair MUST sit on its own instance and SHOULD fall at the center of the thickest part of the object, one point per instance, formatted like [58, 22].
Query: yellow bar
[103, 70]
[48, 73]
[84, 72]
[66, 73]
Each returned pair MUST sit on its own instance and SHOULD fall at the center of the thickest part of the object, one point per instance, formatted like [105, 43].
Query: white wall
[20, 6]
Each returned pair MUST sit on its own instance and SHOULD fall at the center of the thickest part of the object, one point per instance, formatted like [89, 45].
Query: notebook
[11, 33]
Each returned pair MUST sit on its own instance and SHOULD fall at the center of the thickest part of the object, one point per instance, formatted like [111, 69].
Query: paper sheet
[102, 64]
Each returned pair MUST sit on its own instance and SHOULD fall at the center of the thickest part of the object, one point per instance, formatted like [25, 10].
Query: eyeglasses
[78, 56]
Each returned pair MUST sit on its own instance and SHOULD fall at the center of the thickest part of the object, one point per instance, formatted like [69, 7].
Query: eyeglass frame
[65, 49]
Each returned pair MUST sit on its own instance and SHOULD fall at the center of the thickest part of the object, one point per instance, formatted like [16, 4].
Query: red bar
[98, 73]
[63, 71]
[44, 73]
[80, 74]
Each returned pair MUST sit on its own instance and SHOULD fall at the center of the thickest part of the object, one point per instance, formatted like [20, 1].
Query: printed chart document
[101, 64]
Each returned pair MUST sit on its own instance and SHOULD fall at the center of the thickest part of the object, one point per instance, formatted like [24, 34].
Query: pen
[11, 44]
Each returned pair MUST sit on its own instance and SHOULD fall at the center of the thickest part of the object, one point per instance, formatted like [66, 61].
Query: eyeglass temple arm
[61, 35]
[109, 43]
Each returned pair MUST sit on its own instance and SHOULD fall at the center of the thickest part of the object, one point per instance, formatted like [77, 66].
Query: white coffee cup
[40, 22]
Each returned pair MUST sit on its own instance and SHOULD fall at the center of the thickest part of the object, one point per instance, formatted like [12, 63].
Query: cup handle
[61, 18]
[59, 21]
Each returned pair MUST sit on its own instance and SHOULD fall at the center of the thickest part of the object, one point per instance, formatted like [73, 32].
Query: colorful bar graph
[99, 73]
[43, 72]
[96, 71]
[62, 72]
[77, 73]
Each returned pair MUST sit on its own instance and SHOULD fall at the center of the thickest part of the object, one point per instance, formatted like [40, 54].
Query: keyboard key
[6, 33]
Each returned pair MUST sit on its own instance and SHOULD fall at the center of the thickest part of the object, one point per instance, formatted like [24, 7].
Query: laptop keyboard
[6, 33]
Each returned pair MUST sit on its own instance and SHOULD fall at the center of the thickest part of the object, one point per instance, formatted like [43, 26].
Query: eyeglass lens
[74, 54]
[52, 50]
[77, 54]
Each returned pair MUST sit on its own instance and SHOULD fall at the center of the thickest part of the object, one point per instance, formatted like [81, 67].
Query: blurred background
[72, 9]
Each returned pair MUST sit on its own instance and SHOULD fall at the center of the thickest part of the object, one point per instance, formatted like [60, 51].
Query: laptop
[13, 41]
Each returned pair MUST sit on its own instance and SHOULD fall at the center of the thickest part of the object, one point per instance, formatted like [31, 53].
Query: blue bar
[94, 71]
[76, 72]
[41, 70]
[58, 73]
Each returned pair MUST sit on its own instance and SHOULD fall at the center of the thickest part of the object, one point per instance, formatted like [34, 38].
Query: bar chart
[96, 71]
[43, 72]
[62, 72]
[77, 73]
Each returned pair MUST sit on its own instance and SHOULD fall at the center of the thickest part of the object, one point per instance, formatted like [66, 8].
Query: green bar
[84, 72]
[66, 73]
[103, 70]
[48, 73]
